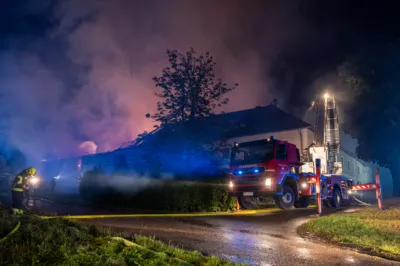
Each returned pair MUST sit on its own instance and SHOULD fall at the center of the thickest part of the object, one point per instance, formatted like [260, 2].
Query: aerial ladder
[326, 144]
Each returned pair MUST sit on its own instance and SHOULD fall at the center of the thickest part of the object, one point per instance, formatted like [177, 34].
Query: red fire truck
[269, 168]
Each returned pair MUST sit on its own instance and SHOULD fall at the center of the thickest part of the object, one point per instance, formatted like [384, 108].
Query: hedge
[178, 196]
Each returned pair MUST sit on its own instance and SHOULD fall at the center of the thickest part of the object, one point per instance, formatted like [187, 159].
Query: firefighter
[20, 187]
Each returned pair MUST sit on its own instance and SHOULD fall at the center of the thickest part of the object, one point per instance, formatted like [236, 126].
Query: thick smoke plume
[84, 84]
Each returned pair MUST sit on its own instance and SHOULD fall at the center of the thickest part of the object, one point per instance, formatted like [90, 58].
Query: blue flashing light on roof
[240, 172]
[256, 171]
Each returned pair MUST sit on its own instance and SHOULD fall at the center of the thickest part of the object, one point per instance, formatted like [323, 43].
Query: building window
[342, 161]
[348, 165]
[358, 169]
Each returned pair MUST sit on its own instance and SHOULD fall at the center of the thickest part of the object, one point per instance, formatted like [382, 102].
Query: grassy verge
[370, 230]
[64, 242]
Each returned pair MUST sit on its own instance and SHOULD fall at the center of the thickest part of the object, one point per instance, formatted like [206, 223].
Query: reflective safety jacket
[21, 182]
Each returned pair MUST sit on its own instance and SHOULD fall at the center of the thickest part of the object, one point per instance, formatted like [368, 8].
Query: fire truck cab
[270, 168]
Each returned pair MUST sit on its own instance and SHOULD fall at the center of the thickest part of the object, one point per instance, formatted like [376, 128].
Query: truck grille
[252, 184]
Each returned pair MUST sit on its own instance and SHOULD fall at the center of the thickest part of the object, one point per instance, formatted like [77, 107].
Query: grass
[370, 230]
[65, 242]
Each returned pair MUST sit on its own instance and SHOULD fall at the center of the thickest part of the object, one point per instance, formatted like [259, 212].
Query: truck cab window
[252, 154]
[281, 152]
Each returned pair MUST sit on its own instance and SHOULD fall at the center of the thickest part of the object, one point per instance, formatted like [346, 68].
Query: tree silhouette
[372, 76]
[189, 88]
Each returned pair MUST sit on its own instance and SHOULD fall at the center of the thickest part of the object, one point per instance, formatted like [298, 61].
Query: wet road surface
[261, 239]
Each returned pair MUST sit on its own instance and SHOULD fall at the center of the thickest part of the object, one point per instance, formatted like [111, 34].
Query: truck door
[282, 159]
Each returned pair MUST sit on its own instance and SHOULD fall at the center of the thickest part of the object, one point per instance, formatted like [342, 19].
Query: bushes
[185, 197]
[151, 194]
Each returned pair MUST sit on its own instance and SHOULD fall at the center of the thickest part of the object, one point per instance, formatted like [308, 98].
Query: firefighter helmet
[31, 171]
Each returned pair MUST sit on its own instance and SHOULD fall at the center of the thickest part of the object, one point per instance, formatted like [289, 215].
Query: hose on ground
[12, 232]
[160, 254]
[361, 202]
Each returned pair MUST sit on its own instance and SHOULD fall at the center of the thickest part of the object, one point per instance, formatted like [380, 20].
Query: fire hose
[361, 202]
[128, 243]
[11, 232]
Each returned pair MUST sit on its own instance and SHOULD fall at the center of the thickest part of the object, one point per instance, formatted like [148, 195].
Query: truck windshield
[252, 154]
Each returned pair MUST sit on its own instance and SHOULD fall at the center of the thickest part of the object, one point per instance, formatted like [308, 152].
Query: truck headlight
[304, 185]
[231, 185]
[268, 182]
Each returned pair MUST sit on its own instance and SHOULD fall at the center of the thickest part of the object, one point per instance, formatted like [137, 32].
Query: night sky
[76, 75]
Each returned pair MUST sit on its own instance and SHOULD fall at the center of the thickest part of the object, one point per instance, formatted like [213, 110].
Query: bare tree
[189, 88]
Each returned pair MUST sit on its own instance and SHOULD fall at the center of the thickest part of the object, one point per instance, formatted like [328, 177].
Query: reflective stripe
[17, 211]
[18, 189]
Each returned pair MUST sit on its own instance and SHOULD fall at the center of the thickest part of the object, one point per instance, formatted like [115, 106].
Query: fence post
[378, 188]
[318, 184]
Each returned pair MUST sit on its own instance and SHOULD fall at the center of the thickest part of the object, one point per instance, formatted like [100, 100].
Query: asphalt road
[261, 239]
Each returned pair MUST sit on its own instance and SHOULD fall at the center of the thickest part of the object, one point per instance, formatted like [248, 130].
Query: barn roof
[259, 120]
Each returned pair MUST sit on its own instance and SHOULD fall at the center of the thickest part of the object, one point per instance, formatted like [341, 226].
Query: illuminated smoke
[88, 147]
[89, 76]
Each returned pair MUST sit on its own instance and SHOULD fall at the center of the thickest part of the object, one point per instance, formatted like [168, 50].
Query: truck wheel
[286, 201]
[303, 202]
[336, 198]
[246, 203]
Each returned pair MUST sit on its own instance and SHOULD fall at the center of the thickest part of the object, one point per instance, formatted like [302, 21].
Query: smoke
[133, 184]
[84, 84]
[88, 147]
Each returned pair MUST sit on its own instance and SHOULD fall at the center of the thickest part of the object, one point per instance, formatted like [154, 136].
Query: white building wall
[354, 168]
[368, 176]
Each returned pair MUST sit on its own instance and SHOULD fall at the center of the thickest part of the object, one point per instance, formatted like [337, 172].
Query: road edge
[305, 235]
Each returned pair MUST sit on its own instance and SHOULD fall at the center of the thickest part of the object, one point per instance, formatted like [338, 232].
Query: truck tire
[286, 201]
[303, 202]
[336, 198]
